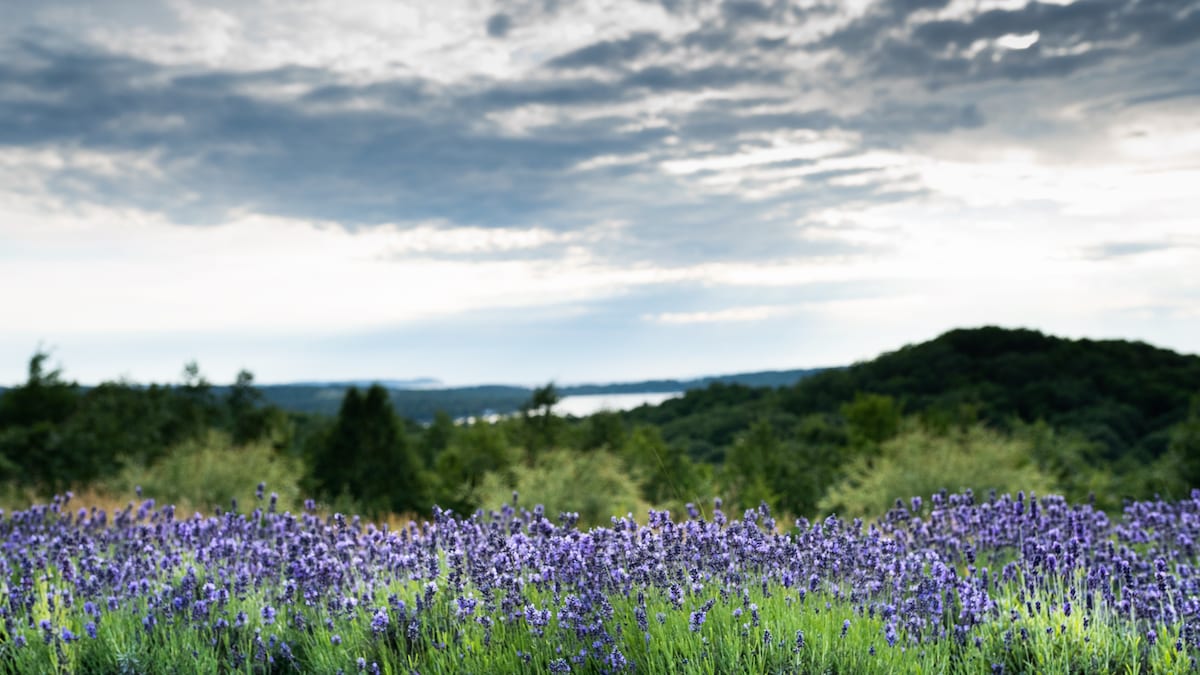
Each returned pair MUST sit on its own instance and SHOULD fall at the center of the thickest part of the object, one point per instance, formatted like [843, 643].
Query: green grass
[729, 641]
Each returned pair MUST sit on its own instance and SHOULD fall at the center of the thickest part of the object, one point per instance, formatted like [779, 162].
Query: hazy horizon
[610, 191]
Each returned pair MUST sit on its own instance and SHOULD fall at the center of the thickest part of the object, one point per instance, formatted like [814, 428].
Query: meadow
[951, 583]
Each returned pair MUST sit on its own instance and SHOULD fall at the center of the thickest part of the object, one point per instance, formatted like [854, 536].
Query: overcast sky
[587, 191]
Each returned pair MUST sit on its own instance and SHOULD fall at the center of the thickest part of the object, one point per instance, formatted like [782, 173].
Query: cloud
[695, 124]
[739, 314]
[608, 53]
[499, 24]
[1000, 42]
[1121, 249]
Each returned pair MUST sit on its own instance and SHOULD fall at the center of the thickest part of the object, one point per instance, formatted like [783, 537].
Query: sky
[591, 191]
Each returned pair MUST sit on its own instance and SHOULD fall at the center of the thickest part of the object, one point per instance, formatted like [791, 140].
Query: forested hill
[1123, 395]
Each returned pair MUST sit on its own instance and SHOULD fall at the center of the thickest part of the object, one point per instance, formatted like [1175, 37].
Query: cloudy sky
[600, 190]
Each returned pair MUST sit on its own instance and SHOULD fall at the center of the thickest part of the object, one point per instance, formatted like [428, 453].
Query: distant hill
[1124, 395]
[421, 404]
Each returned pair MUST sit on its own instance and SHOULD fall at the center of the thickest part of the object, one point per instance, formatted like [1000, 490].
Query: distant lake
[588, 404]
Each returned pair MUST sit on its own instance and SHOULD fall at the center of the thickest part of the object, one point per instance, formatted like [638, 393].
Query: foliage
[593, 485]
[1115, 392]
[871, 419]
[919, 462]
[540, 428]
[474, 453]
[367, 456]
[210, 472]
[665, 475]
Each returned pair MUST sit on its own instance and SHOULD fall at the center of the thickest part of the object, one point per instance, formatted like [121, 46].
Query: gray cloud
[422, 150]
[1071, 37]
[498, 25]
[608, 53]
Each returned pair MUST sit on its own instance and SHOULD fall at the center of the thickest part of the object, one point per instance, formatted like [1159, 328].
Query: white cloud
[734, 314]
[1017, 42]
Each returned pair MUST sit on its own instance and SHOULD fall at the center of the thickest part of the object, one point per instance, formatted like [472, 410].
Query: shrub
[592, 484]
[211, 471]
[921, 462]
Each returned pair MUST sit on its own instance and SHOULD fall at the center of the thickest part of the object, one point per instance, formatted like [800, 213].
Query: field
[953, 583]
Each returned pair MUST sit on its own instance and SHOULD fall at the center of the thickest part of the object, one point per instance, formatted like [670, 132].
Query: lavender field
[954, 583]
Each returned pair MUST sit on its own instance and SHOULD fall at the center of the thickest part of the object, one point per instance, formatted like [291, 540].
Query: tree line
[983, 409]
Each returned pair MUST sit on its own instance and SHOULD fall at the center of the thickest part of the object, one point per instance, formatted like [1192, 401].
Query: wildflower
[799, 639]
[335, 639]
[845, 627]
[90, 628]
[379, 622]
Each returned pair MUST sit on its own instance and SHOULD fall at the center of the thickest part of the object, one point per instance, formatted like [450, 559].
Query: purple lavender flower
[379, 622]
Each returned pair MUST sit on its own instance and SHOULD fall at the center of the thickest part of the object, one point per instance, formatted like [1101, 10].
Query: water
[581, 406]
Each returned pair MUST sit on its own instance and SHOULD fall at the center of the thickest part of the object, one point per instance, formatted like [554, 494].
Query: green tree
[871, 419]
[475, 453]
[666, 476]
[195, 407]
[1185, 444]
[244, 401]
[437, 437]
[814, 454]
[603, 430]
[1177, 471]
[367, 457]
[542, 427]
[31, 440]
[45, 397]
[754, 467]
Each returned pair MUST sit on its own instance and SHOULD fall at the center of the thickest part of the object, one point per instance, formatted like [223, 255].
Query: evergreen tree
[31, 442]
[367, 457]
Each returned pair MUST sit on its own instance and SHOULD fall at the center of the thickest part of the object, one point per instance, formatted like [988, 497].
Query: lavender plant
[945, 584]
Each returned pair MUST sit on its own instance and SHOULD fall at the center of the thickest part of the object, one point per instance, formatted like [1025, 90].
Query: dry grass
[14, 498]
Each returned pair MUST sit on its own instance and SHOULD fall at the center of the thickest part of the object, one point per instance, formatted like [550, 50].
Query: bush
[211, 471]
[592, 484]
[920, 462]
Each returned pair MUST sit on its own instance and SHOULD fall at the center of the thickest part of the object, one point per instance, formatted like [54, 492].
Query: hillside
[1124, 395]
